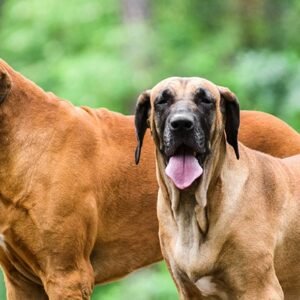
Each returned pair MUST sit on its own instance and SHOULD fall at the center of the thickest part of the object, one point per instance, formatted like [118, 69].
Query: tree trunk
[137, 50]
[1, 7]
[134, 11]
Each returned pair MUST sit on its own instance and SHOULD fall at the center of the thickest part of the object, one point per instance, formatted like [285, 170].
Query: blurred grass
[2, 287]
[152, 283]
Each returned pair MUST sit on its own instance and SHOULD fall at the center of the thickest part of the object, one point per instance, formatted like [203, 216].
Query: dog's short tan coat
[235, 233]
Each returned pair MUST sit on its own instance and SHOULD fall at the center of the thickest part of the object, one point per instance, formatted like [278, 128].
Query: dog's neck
[27, 120]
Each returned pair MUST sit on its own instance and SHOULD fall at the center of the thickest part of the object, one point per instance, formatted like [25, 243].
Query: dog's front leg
[271, 291]
[73, 284]
[266, 295]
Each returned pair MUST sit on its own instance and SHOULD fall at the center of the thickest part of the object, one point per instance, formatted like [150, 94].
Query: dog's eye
[162, 101]
[204, 97]
[164, 98]
[206, 100]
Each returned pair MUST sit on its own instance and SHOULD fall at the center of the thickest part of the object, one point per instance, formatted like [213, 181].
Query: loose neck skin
[191, 205]
[196, 221]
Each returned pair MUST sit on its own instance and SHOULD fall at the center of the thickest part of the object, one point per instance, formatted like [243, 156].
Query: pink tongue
[183, 170]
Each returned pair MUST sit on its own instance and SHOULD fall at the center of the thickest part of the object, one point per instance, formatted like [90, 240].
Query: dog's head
[186, 117]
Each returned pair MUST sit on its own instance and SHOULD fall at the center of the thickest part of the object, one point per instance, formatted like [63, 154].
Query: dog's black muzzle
[183, 132]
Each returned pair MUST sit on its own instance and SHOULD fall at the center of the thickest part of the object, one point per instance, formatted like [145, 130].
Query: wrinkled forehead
[182, 87]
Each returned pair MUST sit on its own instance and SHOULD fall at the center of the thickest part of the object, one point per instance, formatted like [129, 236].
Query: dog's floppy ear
[5, 85]
[232, 113]
[141, 121]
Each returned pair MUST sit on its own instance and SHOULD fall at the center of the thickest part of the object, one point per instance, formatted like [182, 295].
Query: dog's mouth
[184, 166]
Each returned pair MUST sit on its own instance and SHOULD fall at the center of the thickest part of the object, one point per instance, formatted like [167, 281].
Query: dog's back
[284, 138]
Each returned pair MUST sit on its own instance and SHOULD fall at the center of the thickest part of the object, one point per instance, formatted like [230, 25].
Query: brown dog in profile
[229, 216]
[74, 209]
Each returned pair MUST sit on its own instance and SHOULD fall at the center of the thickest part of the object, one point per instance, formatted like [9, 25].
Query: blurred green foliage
[91, 53]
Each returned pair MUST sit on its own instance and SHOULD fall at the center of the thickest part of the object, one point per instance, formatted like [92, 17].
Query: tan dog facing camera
[229, 216]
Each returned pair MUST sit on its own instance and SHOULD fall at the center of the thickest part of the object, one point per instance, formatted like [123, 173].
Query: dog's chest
[195, 256]
[189, 250]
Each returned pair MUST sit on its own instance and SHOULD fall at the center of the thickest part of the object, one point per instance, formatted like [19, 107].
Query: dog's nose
[180, 122]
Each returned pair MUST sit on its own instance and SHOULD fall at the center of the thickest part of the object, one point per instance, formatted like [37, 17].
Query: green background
[104, 53]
